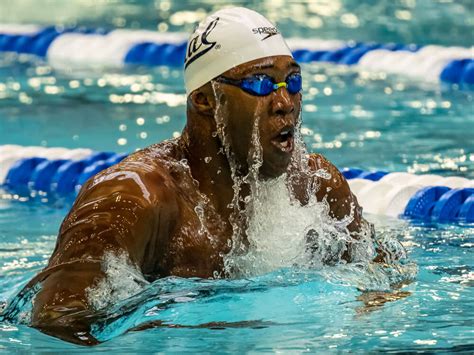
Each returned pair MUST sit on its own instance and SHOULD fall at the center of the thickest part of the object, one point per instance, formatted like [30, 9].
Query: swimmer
[239, 74]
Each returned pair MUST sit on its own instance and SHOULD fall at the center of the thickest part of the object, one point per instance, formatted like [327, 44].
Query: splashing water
[272, 229]
[272, 221]
[276, 231]
[122, 281]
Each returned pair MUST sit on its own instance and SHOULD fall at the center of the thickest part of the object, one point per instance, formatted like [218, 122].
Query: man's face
[276, 115]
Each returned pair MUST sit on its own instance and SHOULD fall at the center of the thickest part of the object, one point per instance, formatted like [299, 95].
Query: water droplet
[322, 173]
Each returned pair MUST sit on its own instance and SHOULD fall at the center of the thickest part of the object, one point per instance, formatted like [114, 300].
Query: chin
[272, 171]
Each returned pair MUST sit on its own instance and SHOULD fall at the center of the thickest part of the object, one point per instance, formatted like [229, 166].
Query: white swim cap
[228, 38]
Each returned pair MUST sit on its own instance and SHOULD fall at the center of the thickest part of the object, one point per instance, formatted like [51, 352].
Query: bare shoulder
[121, 209]
[334, 188]
[330, 178]
[144, 175]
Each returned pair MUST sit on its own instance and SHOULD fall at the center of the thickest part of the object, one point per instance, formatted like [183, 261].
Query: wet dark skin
[144, 206]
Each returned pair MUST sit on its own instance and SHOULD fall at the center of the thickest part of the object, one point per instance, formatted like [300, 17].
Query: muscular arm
[343, 205]
[342, 202]
[119, 211]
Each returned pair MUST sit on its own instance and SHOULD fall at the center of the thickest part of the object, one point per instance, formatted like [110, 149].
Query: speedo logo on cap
[268, 31]
[200, 45]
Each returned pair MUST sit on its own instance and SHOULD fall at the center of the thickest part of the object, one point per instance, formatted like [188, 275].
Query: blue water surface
[287, 310]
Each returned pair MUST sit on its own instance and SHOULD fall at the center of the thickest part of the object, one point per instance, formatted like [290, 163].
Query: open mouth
[285, 139]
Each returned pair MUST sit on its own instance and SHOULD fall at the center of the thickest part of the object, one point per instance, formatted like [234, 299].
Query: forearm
[61, 307]
[73, 327]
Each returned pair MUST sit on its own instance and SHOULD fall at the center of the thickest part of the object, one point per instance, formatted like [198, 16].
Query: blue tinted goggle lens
[262, 85]
[294, 83]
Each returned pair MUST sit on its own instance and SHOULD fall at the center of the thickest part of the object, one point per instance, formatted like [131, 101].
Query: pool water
[355, 118]
[287, 310]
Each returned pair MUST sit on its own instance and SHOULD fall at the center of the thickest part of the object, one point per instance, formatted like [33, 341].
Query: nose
[283, 103]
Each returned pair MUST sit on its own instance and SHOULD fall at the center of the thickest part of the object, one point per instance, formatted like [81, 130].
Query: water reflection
[402, 21]
[394, 123]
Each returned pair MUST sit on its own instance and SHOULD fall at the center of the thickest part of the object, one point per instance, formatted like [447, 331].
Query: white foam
[277, 230]
[122, 280]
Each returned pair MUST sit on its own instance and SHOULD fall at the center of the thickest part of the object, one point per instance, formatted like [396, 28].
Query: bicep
[64, 306]
[113, 215]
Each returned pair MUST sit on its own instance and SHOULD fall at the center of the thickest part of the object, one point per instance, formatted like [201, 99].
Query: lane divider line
[61, 172]
[85, 46]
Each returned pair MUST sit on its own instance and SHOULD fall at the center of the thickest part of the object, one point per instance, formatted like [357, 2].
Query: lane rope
[80, 46]
[61, 172]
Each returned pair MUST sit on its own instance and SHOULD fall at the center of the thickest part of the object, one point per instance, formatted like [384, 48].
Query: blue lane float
[449, 205]
[421, 204]
[43, 174]
[442, 204]
[50, 171]
[38, 43]
[430, 198]
[61, 173]
[64, 180]
[59, 45]
[20, 173]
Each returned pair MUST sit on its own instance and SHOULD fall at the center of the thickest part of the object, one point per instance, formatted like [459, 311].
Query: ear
[203, 101]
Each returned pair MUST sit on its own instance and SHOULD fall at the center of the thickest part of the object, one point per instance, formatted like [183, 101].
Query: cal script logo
[268, 31]
[200, 45]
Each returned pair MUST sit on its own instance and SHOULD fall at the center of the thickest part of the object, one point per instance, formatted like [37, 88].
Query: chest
[199, 240]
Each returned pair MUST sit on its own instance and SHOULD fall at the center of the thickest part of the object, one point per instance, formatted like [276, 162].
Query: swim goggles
[263, 85]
